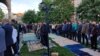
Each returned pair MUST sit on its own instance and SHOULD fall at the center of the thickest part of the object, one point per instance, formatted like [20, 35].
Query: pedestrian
[8, 37]
[15, 43]
[53, 28]
[69, 30]
[24, 28]
[38, 31]
[85, 31]
[35, 28]
[79, 35]
[2, 41]
[64, 29]
[44, 34]
[15, 36]
[94, 35]
[58, 29]
[74, 30]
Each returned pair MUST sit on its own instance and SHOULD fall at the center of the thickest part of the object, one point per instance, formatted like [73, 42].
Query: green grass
[62, 51]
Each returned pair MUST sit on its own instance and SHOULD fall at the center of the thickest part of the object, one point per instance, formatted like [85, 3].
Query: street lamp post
[45, 8]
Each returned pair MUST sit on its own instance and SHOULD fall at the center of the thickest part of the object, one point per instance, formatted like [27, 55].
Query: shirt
[14, 35]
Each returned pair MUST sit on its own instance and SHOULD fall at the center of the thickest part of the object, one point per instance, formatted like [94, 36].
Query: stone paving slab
[62, 41]
[33, 46]
[65, 42]
[90, 51]
[29, 37]
[33, 43]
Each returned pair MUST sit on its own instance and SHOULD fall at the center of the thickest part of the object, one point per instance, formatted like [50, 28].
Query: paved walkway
[75, 47]
[32, 42]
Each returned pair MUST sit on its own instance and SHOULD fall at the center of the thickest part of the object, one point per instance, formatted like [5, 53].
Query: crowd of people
[9, 37]
[85, 32]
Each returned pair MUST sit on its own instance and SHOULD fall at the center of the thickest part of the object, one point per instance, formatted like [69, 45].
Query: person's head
[79, 22]
[90, 21]
[13, 21]
[65, 21]
[94, 22]
[85, 21]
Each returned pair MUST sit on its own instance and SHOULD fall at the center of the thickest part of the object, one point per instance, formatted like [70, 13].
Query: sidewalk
[73, 46]
[33, 43]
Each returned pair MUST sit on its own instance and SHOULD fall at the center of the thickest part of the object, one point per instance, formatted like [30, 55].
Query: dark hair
[14, 21]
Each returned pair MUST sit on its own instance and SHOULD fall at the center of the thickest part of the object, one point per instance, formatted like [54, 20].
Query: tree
[40, 16]
[48, 1]
[1, 14]
[62, 9]
[29, 17]
[89, 9]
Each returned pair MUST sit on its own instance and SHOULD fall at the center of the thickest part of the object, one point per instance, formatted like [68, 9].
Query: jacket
[2, 40]
[8, 34]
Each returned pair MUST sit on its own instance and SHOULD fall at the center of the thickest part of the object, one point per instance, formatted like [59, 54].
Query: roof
[3, 1]
[19, 14]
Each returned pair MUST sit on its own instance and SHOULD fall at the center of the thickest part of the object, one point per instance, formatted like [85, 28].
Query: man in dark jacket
[69, 27]
[2, 41]
[79, 31]
[94, 34]
[8, 37]
[64, 29]
[44, 34]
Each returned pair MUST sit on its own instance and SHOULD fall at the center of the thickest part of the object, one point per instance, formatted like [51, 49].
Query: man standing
[64, 29]
[44, 30]
[94, 35]
[85, 31]
[2, 41]
[44, 34]
[8, 37]
[79, 31]
[74, 30]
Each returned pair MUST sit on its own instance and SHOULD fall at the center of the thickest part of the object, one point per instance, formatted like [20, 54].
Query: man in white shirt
[14, 37]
